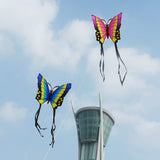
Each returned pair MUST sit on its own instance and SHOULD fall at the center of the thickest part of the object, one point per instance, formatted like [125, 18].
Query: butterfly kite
[111, 29]
[46, 93]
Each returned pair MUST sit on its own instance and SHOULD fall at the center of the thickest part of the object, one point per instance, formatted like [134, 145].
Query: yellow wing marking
[58, 100]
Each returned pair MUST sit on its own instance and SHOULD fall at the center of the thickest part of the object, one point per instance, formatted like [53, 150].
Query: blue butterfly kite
[46, 93]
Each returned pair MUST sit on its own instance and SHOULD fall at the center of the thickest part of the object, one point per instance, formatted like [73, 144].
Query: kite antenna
[54, 88]
[104, 21]
[109, 20]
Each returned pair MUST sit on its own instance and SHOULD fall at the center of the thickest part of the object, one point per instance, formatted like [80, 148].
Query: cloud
[141, 80]
[142, 64]
[12, 112]
[70, 45]
[25, 17]
[142, 132]
[126, 118]
[75, 39]
[30, 23]
[139, 65]
[147, 135]
[6, 44]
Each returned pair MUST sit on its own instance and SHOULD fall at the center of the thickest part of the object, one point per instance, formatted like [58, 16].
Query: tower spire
[101, 127]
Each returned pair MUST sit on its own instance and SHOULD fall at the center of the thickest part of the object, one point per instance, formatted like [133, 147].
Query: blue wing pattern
[58, 95]
[43, 90]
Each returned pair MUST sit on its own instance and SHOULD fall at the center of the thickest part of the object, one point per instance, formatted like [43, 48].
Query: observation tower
[94, 125]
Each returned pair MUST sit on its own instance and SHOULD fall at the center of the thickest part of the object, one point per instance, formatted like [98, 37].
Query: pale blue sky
[57, 39]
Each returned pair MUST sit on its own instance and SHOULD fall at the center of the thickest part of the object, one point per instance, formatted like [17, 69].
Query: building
[91, 132]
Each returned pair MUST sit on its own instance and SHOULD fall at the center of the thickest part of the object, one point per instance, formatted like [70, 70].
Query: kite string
[59, 129]
[47, 153]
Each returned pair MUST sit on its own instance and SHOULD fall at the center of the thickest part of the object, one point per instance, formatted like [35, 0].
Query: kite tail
[119, 66]
[36, 121]
[53, 127]
[101, 63]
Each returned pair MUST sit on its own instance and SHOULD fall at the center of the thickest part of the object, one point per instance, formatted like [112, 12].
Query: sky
[57, 39]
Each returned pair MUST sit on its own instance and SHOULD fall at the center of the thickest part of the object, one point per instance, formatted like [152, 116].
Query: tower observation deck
[90, 134]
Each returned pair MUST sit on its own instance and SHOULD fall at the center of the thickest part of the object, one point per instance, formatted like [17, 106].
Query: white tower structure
[94, 125]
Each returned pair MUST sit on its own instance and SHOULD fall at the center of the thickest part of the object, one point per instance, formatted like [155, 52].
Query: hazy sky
[57, 39]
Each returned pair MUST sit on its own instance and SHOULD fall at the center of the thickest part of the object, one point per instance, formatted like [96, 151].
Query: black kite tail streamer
[101, 63]
[53, 127]
[119, 65]
[36, 121]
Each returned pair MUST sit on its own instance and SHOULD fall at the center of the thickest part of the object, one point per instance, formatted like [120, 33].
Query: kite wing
[58, 95]
[43, 90]
[101, 33]
[57, 100]
[42, 96]
[100, 28]
[114, 33]
[114, 27]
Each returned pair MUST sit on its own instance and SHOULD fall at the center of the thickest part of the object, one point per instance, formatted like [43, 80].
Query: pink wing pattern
[100, 27]
[114, 27]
